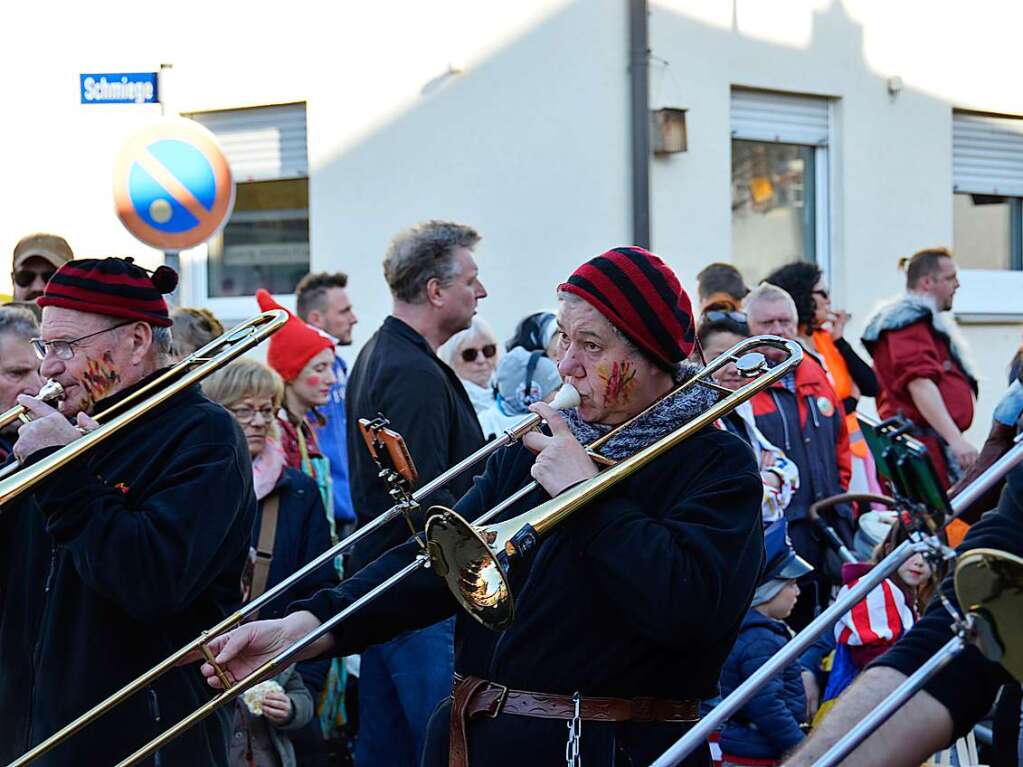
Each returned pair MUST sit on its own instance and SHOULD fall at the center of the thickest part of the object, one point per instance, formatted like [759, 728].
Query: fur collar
[910, 308]
[663, 419]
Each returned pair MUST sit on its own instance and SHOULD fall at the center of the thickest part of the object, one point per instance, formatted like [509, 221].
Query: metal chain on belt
[575, 731]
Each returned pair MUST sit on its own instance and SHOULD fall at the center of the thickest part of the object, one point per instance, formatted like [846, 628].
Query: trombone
[14, 479]
[50, 393]
[916, 544]
[455, 546]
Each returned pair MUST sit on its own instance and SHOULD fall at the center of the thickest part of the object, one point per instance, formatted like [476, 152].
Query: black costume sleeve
[969, 682]
[151, 555]
[420, 600]
[700, 562]
[861, 372]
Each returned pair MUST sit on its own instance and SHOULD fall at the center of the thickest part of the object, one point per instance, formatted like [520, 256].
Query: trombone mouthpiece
[51, 392]
[567, 397]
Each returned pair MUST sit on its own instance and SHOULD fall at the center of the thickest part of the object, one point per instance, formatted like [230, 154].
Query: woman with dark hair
[821, 329]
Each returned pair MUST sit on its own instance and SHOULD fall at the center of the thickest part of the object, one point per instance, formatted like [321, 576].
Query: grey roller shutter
[987, 154]
[262, 143]
[779, 117]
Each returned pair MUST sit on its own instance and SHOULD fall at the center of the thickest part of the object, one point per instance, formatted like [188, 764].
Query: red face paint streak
[99, 377]
[619, 384]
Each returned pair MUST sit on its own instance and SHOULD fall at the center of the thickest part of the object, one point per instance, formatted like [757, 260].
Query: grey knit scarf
[667, 416]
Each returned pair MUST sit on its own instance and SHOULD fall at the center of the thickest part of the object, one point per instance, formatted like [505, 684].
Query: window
[265, 243]
[987, 177]
[779, 181]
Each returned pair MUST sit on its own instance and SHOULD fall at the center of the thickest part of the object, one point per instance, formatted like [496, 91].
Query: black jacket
[641, 593]
[109, 565]
[302, 535]
[397, 374]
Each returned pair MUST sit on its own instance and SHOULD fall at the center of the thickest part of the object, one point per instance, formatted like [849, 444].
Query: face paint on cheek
[99, 377]
[619, 383]
[312, 381]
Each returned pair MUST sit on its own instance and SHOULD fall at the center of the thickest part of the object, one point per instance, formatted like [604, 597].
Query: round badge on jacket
[825, 406]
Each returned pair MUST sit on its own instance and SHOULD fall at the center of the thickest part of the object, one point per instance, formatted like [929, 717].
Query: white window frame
[194, 264]
[986, 295]
[821, 139]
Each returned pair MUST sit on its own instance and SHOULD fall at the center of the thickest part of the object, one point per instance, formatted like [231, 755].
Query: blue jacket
[334, 443]
[768, 725]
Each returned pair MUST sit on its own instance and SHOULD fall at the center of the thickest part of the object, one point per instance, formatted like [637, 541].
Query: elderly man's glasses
[247, 414]
[469, 355]
[65, 349]
[25, 277]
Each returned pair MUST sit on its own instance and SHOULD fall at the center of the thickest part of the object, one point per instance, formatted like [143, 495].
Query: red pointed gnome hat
[294, 345]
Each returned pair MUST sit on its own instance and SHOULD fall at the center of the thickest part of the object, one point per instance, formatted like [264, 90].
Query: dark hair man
[803, 416]
[126, 552]
[36, 258]
[19, 366]
[921, 363]
[321, 299]
[720, 284]
[637, 599]
[434, 283]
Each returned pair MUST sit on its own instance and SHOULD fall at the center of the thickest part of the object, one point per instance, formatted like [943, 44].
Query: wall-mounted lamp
[668, 130]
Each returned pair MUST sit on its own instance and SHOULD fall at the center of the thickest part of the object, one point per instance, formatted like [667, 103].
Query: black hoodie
[117, 559]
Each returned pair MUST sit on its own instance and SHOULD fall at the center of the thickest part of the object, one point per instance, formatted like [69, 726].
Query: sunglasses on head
[717, 315]
[822, 293]
[25, 277]
[469, 355]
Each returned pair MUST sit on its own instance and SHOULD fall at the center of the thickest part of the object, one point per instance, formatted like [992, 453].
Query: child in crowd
[263, 717]
[876, 623]
[769, 725]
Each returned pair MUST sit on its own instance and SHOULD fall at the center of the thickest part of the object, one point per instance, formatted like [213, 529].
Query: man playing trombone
[125, 551]
[626, 612]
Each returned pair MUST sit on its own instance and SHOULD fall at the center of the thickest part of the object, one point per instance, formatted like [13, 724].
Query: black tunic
[397, 374]
[109, 565]
[641, 593]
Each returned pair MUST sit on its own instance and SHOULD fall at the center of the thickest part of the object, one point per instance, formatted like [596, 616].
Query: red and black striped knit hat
[642, 297]
[115, 287]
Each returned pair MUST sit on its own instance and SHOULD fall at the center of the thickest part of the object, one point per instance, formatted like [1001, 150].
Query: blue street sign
[119, 88]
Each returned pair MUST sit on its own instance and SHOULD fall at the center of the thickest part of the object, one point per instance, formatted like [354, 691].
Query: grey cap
[511, 379]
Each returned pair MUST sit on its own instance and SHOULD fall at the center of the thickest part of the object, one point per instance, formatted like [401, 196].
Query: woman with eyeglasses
[473, 355]
[719, 331]
[296, 532]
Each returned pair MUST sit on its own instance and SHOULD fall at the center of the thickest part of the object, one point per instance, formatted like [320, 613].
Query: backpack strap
[264, 547]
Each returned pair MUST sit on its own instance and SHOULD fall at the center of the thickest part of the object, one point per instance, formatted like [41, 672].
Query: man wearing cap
[127, 551]
[633, 603]
[36, 258]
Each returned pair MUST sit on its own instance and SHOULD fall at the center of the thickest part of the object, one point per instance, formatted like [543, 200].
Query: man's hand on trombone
[560, 460]
[48, 428]
[240, 652]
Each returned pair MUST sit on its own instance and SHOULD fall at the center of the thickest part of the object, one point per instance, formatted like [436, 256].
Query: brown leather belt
[474, 697]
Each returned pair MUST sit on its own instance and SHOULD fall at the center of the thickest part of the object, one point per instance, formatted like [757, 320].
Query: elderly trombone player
[633, 605]
[128, 550]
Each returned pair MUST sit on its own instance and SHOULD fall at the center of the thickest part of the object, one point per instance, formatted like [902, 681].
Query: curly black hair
[797, 279]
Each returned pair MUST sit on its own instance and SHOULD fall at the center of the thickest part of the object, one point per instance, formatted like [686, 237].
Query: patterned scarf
[664, 418]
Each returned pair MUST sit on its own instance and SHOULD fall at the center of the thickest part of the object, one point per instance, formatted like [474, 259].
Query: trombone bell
[989, 584]
[473, 567]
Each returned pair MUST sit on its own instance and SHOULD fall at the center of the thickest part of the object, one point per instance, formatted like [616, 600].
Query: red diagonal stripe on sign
[169, 181]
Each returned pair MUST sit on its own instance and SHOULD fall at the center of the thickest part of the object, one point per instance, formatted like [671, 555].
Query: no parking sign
[172, 185]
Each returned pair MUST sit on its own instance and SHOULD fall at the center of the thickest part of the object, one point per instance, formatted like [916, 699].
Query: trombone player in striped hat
[126, 551]
[632, 605]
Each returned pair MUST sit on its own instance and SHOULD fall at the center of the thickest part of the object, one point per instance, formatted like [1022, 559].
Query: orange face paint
[619, 383]
[99, 377]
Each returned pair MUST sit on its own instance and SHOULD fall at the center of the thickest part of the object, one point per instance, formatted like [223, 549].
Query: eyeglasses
[822, 293]
[65, 349]
[25, 277]
[717, 315]
[247, 414]
[469, 355]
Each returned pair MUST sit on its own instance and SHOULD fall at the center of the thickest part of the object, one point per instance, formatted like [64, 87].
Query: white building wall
[529, 141]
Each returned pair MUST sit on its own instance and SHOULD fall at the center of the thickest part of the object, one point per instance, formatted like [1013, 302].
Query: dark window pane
[266, 241]
[773, 206]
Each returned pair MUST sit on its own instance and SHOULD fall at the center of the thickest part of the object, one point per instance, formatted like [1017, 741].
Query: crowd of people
[675, 587]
